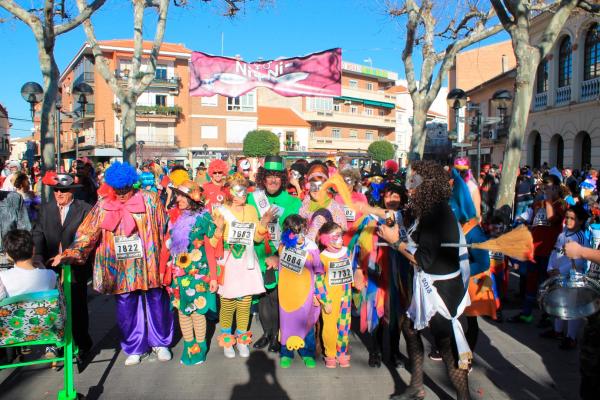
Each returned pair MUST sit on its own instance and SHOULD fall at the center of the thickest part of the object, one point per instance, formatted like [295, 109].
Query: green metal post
[68, 392]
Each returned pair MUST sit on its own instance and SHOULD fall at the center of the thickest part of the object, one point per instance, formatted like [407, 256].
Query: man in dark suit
[53, 233]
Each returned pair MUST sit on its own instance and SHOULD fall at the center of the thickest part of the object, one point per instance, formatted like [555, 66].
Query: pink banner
[317, 74]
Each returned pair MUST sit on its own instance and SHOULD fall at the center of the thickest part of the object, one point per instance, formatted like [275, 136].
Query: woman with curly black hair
[439, 287]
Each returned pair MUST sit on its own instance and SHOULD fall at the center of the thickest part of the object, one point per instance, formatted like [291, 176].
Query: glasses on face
[217, 173]
[62, 190]
[123, 191]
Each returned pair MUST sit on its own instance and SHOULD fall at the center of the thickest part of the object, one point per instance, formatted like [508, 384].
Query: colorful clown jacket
[127, 239]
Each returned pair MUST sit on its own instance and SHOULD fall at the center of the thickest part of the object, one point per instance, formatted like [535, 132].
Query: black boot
[375, 360]
[262, 342]
[274, 346]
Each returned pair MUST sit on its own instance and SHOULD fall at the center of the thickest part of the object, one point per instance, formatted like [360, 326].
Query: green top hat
[274, 163]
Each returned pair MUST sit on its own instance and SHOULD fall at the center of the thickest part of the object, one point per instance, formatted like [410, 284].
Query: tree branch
[12, 7]
[502, 13]
[83, 15]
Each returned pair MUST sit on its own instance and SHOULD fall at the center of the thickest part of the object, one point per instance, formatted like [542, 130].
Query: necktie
[63, 214]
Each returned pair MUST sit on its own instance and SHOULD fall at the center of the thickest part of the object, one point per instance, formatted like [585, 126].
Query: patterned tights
[241, 309]
[192, 324]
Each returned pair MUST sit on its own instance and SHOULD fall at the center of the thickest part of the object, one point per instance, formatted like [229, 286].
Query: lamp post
[502, 99]
[140, 146]
[75, 127]
[81, 90]
[58, 106]
[32, 93]
[457, 99]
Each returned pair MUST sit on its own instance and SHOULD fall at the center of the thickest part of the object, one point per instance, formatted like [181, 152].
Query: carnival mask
[413, 181]
[349, 181]
[239, 191]
[315, 186]
[296, 175]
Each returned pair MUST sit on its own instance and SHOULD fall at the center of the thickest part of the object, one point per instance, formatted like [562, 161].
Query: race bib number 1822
[127, 248]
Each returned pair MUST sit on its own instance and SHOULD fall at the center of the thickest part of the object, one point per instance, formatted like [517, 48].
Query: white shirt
[16, 281]
[558, 260]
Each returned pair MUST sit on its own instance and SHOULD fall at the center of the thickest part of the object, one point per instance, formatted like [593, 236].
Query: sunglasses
[62, 190]
[123, 191]
[217, 173]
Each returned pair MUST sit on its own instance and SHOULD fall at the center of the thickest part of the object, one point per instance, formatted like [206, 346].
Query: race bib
[541, 218]
[128, 248]
[340, 272]
[403, 234]
[350, 214]
[275, 232]
[494, 255]
[293, 259]
[241, 233]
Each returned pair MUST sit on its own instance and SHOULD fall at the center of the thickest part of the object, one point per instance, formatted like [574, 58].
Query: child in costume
[335, 295]
[299, 266]
[559, 263]
[239, 226]
[191, 273]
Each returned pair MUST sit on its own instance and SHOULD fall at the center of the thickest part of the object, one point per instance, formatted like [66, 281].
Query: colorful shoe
[330, 362]
[197, 353]
[309, 362]
[185, 355]
[344, 360]
[226, 340]
[520, 319]
[285, 362]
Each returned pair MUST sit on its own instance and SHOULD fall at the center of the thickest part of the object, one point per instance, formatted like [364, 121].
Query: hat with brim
[61, 181]
[274, 163]
[191, 190]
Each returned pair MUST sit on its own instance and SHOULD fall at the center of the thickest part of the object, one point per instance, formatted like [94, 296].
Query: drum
[570, 297]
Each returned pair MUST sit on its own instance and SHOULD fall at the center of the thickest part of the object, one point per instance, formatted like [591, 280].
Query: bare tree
[440, 32]
[515, 16]
[46, 23]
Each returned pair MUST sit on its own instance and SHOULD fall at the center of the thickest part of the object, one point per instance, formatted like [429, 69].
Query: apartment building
[562, 129]
[162, 110]
[4, 134]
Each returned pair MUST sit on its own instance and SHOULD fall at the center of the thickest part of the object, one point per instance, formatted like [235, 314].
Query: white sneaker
[162, 353]
[133, 359]
[243, 349]
[229, 352]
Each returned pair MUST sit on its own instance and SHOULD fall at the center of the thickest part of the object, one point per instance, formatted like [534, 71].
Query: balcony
[163, 113]
[292, 146]
[330, 143]
[87, 77]
[540, 101]
[90, 110]
[173, 83]
[563, 95]
[351, 119]
[590, 89]
[375, 95]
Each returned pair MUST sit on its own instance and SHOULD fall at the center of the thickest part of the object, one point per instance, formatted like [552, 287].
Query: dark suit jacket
[48, 232]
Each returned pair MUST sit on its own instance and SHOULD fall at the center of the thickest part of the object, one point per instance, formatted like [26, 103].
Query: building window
[209, 132]
[336, 107]
[369, 112]
[369, 86]
[542, 77]
[565, 62]
[353, 134]
[381, 135]
[336, 133]
[319, 104]
[353, 83]
[369, 135]
[243, 103]
[160, 72]
[591, 62]
[161, 100]
[353, 110]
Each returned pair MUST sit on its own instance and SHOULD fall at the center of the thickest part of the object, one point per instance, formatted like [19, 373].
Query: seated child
[23, 277]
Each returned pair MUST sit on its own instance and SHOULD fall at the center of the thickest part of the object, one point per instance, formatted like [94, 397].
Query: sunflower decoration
[4, 312]
[195, 349]
[195, 255]
[183, 260]
[226, 340]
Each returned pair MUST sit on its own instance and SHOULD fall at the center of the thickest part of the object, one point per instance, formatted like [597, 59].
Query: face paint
[239, 191]
[296, 175]
[413, 181]
[349, 181]
[333, 239]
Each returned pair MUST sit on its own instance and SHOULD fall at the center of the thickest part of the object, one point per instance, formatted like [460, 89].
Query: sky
[265, 29]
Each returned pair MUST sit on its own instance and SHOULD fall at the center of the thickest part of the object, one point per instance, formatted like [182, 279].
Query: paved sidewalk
[511, 362]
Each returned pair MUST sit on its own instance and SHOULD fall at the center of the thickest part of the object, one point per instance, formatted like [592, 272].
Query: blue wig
[120, 175]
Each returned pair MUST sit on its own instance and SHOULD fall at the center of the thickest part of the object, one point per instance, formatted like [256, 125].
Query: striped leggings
[192, 324]
[241, 308]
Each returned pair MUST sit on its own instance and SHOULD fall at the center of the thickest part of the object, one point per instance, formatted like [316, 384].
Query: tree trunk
[419, 130]
[128, 125]
[528, 58]
[50, 75]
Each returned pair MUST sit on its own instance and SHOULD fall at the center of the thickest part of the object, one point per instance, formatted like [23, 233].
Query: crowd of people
[312, 247]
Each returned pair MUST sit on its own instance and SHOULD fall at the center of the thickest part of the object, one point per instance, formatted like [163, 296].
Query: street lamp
[502, 99]
[32, 93]
[82, 90]
[140, 146]
[457, 99]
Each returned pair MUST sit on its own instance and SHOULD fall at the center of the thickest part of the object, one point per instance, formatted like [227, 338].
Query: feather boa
[180, 236]
[289, 239]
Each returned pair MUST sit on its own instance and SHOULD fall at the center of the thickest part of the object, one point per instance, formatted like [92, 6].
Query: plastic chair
[54, 309]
